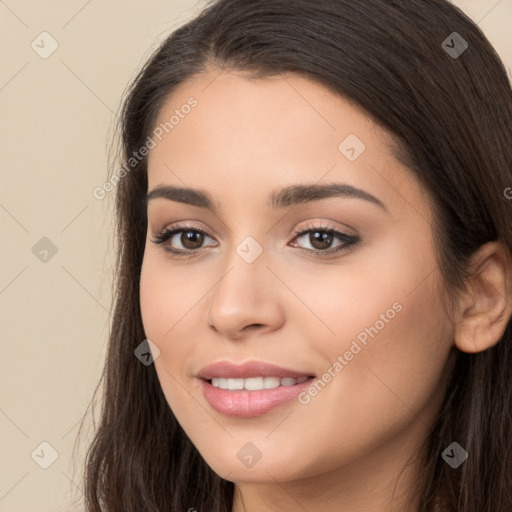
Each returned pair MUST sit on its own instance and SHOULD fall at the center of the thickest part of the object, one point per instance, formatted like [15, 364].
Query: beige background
[57, 117]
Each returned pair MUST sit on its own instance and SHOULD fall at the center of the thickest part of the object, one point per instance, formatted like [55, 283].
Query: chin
[233, 469]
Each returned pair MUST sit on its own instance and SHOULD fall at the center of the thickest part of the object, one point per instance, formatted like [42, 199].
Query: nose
[247, 299]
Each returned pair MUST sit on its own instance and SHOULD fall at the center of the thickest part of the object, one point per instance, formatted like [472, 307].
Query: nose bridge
[245, 273]
[246, 292]
[246, 240]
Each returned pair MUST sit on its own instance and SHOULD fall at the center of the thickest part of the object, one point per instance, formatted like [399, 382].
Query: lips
[225, 369]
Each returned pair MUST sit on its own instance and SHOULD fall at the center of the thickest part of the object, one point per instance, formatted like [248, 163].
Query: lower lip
[247, 404]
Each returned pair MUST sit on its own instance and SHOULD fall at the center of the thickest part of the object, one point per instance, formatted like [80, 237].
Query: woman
[314, 273]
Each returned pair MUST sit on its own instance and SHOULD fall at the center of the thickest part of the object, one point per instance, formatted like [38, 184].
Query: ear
[485, 309]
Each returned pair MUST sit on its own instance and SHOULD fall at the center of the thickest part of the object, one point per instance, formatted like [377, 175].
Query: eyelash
[349, 241]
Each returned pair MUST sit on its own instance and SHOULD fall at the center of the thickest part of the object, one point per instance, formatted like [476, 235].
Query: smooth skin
[349, 447]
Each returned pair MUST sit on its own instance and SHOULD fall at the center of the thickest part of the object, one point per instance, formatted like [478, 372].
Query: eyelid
[330, 226]
[303, 226]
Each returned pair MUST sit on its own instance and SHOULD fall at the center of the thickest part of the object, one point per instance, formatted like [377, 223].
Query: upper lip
[226, 369]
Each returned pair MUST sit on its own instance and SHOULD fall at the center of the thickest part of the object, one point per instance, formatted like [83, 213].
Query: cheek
[390, 339]
[167, 294]
[395, 380]
[167, 297]
[378, 296]
[155, 299]
[173, 302]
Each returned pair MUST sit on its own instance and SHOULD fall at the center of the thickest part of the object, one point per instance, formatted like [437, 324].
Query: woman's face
[364, 319]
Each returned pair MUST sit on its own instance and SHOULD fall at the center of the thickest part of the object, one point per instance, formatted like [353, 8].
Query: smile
[255, 383]
[255, 401]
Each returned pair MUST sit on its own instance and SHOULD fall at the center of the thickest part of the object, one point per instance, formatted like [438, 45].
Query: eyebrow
[283, 198]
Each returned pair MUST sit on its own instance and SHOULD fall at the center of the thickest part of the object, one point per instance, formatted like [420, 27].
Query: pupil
[320, 242]
[192, 237]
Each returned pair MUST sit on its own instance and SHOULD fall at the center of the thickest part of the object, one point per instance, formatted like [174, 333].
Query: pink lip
[247, 404]
[226, 369]
[244, 403]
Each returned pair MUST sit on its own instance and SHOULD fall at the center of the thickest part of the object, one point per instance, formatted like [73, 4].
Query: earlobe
[485, 309]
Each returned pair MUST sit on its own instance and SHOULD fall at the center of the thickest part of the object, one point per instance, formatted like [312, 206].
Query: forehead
[244, 134]
[232, 103]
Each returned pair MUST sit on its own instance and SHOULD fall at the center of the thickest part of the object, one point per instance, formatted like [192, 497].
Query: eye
[191, 240]
[320, 239]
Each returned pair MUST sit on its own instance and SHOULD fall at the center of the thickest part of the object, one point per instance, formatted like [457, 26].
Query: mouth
[250, 370]
[251, 389]
[255, 383]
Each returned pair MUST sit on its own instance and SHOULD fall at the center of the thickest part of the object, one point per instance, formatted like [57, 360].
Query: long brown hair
[451, 115]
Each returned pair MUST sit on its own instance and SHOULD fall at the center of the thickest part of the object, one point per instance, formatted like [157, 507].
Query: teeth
[235, 383]
[256, 383]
